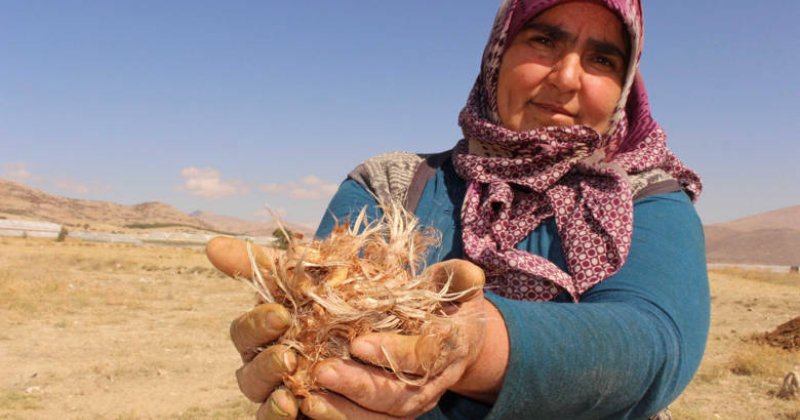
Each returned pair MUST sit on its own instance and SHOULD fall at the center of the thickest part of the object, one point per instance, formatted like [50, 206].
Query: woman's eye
[604, 62]
[543, 40]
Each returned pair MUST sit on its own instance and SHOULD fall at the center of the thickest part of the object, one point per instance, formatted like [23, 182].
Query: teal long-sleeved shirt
[626, 351]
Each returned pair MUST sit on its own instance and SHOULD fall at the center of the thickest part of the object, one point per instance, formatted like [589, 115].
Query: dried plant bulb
[363, 278]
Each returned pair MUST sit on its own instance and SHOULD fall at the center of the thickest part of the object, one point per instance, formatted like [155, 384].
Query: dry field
[737, 377]
[125, 332]
[115, 331]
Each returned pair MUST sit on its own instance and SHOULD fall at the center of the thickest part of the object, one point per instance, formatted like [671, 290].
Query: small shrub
[281, 238]
[62, 234]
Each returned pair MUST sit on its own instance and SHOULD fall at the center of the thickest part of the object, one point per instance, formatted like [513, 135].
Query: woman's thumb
[463, 276]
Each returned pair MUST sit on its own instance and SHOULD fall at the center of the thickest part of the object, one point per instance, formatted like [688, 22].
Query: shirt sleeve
[631, 345]
[349, 200]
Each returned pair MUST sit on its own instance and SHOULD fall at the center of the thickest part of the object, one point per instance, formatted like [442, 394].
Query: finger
[463, 275]
[258, 327]
[230, 256]
[334, 407]
[380, 391]
[393, 351]
[281, 405]
[258, 378]
[422, 355]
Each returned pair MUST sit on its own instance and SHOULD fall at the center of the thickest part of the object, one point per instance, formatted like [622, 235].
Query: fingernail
[273, 406]
[277, 319]
[361, 348]
[278, 361]
[327, 376]
[315, 406]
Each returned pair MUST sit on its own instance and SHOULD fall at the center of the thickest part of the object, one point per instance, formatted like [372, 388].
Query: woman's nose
[566, 73]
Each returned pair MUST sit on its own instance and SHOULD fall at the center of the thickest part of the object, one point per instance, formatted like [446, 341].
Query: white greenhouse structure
[34, 229]
[28, 228]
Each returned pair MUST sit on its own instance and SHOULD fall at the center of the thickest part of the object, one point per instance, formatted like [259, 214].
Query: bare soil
[103, 331]
[786, 336]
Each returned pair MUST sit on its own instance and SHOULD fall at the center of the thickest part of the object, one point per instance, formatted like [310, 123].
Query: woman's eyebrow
[605, 47]
[558, 33]
[553, 31]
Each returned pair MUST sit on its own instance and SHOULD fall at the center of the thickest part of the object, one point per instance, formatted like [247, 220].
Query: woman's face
[565, 67]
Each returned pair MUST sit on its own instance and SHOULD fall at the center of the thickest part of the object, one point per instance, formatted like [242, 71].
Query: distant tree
[62, 234]
[281, 238]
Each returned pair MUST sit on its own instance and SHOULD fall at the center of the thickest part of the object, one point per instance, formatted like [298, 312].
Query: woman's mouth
[553, 109]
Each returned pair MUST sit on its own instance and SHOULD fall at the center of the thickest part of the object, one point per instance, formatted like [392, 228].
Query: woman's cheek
[601, 96]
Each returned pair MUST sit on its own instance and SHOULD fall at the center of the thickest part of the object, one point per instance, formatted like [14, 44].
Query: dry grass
[790, 415]
[11, 400]
[761, 361]
[116, 331]
[759, 276]
[46, 277]
[240, 408]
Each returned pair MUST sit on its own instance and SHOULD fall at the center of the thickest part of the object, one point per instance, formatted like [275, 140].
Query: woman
[563, 191]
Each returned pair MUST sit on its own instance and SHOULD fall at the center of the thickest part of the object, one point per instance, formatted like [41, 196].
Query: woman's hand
[368, 390]
[261, 374]
[365, 391]
[471, 360]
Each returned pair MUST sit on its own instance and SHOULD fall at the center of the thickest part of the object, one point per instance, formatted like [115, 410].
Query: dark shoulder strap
[661, 187]
[425, 170]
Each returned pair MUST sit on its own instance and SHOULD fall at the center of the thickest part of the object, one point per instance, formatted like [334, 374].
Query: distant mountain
[785, 218]
[770, 238]
[19, 201]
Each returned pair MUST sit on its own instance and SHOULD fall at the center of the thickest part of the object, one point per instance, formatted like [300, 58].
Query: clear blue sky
[228, 105]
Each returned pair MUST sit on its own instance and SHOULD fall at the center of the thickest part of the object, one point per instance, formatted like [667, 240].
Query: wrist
[483, 377]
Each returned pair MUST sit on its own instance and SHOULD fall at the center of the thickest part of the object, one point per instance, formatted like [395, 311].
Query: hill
[769, 238]
[19, 201]
[781, 219]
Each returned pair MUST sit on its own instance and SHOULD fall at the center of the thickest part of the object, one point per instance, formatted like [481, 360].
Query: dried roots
[363, 278]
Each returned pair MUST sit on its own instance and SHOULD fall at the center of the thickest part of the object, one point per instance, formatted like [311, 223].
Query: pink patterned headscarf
[516, 180]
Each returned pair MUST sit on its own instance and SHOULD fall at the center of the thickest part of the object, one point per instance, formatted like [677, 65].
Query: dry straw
[363, 278]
